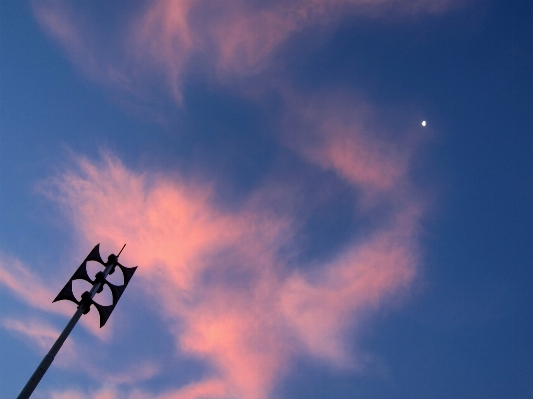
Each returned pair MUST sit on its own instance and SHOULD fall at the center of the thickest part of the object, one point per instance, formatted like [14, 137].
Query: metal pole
[49, 358]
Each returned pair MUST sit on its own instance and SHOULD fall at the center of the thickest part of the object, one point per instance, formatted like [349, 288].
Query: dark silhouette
[84, 306]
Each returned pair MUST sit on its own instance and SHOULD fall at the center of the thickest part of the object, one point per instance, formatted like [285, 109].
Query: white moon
[423, 123]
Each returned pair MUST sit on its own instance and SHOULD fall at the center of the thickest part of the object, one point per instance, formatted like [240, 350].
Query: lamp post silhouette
[84, 305]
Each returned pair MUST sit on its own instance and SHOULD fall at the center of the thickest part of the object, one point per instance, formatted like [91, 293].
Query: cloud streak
[32, 290]
[221, 277]
[209, 389]
[44, 336]
[27, 286]
[164, 40]
[76, 356]
[229, 284]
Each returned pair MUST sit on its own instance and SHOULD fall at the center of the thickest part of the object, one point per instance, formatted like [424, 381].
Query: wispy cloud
[222, 279]
[165, 39]
[27, 286]
[35, 291]
[226, 282]
[42, 335]
[339, 132]
[74, 355]
[208, 389]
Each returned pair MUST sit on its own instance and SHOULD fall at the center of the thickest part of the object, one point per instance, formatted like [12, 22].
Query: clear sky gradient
[298, 232]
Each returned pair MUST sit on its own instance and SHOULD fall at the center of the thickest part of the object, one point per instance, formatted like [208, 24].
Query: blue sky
[298, 233]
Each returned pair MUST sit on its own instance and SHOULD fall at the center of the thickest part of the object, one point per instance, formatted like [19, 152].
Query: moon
[423, 123]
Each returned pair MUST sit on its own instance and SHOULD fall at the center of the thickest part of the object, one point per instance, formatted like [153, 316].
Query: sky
[298, 232]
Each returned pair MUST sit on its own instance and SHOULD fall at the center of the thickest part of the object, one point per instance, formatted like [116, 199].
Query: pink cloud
[241, 337]
[179, 237]
[132, 375]
[323, 305]
[70, 30]
[43, 336]
[106, 393]
[220, 279]
[339, 132]
[27, 286]
[165, 39]
[162, 40]
[39, 294]
[206, 389]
